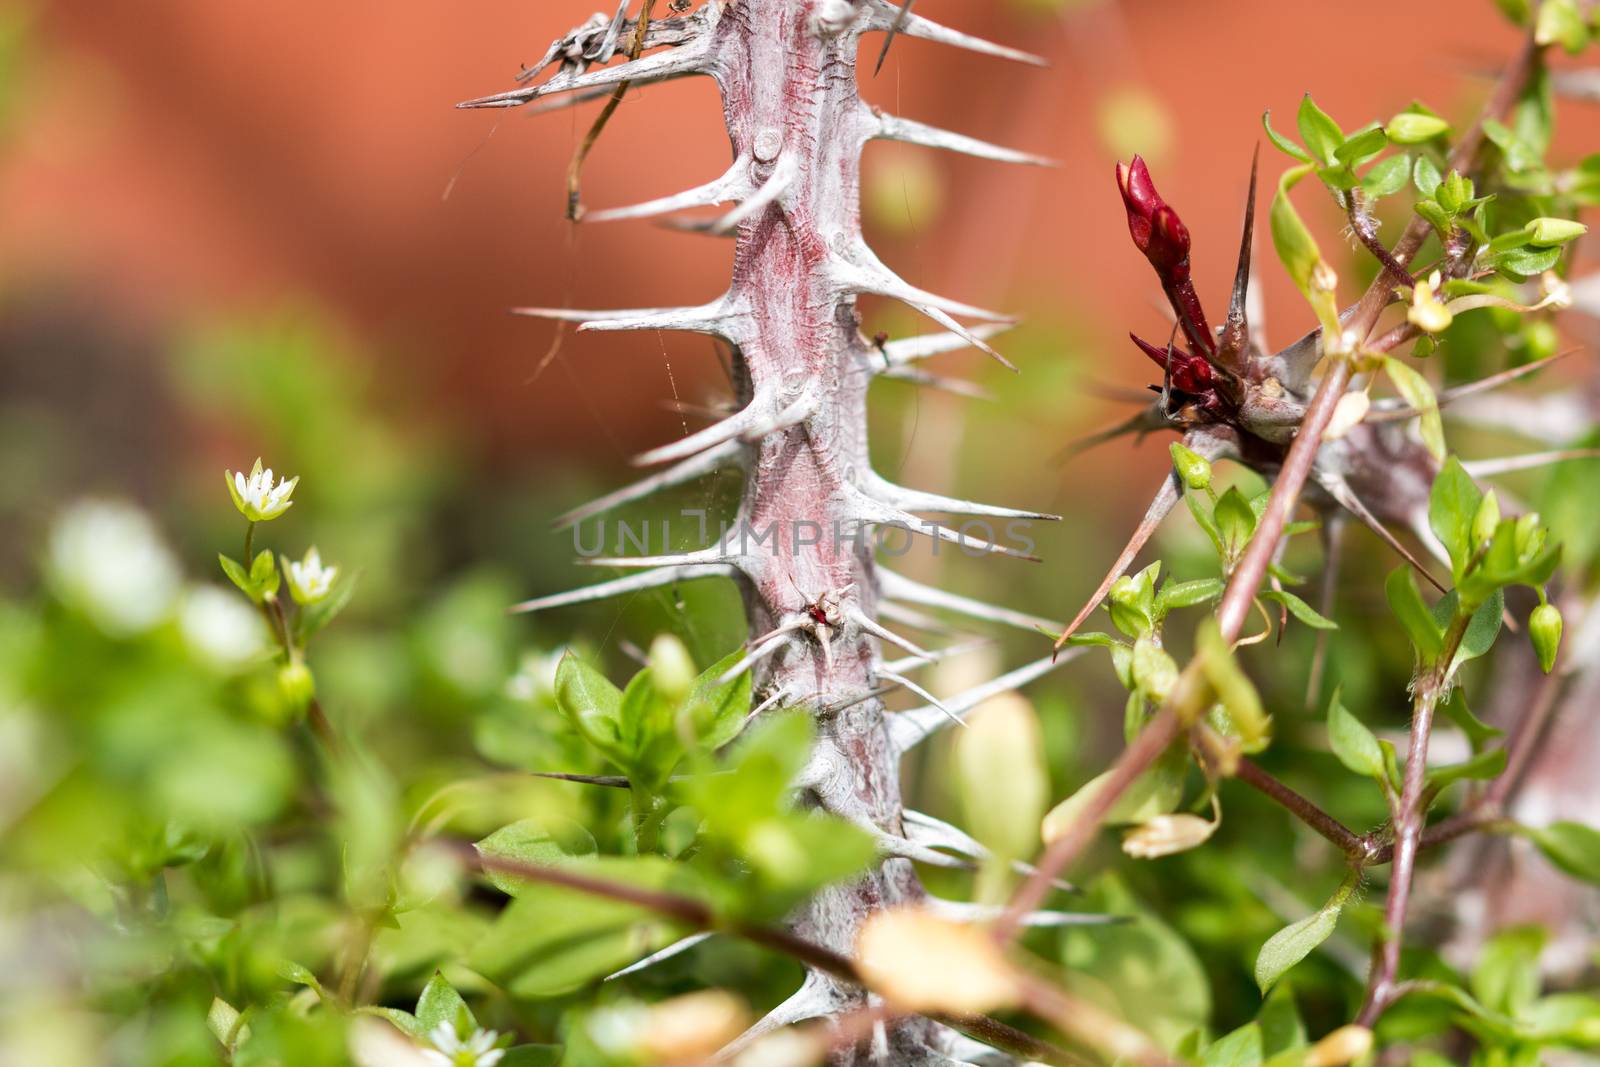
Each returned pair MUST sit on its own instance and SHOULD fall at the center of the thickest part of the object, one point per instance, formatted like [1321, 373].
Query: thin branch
[1356, 846]
[699, 915]
[1410, 816]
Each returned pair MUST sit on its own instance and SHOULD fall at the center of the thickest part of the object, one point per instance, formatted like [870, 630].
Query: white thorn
[885, 491]
[911, 617]
[674, 949]
[818, 997]
[712, 554]
[894, 128]
[750, 424]
[909, 728]
[781, 693]
[690, 469]
[687, 59]
[760, 649]
[734, 185]
[1489, 468]
[883, 14]
[900, 679]
[911, 349]
[957, 386]
[911, 663]
[882, 514]
[631, 583]
[872, 627]
[783, 176]
[894, 586]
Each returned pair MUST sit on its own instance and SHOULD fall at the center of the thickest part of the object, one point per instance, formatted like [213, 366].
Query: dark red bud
[1156, 229]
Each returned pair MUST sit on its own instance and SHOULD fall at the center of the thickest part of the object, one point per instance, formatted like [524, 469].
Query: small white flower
[107, 560]
[255, 495]
[221, 627]
[449, 1050]
[309, 580]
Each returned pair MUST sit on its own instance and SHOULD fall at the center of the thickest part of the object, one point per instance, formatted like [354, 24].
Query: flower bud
[1544, 630]
[296, 685]
[1427, 313]
[1549, 232]
[1193, 468]
[1530, 536]
[1344, 1045]
[922, 963]
[1156, 229]
[1410, 127]
[1167, 834]
[671, 669]
[1486, 521]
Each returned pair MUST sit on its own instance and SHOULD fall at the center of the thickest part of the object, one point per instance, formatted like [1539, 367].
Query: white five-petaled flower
[449, 1050]
[256, 497]
[309, 580]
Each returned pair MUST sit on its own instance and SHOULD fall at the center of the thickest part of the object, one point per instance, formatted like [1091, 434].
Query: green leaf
[440, 1003]
[1388, 177]
[1482, 629]
[1282, 143]
[1561, 22]
[1300, 609]
[1236, 522]
[1295, 246]
[1411, 127]
[1506, 977]
[1001, 777]
[1482, 767]
[1572, 846]
[553, 940]
[531, 1056]
[1452, 507]
[1157, 791]
[1279, 1018]
[1354, 744]
[1320, 133]
[530, 841]
[239, 577]
[719, 710]
[1296, 941]
[1419, 394]
[593, 705]
[1479, 733]
[1361, 146]
[1238, 695]
[1187, 594]
[1405, 600]
[1426, 176]
[1242, 1048]
[225, 1022]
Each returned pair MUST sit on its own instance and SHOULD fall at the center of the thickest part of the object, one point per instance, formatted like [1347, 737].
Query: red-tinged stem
[1409, 817]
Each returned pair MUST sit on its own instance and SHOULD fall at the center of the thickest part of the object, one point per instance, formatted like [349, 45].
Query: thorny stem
[699, 916]
[1246, 578]
[1409, 817]
[1366, 230]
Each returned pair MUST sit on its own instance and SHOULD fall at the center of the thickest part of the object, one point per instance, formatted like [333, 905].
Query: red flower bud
[1187, 372]
[1156, 229]
[1160, 234]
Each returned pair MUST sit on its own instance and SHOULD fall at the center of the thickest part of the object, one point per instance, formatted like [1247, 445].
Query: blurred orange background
[174, 157]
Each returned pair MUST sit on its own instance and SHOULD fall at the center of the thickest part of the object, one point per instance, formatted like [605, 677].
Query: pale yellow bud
[1347, 414]
[1344, 1045]
[1166, 834]
[922, 963]
[693, 1026]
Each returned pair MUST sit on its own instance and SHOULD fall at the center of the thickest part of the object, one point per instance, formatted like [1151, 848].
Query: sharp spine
[894, 128]
[676, 948]
[631, 583]
[712, 459]
[893, 586]
[885, 491]
[689, 59]
[882, 16]
[734, 185]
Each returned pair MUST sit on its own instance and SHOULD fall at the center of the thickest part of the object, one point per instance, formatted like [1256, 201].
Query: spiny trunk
[802, 544]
